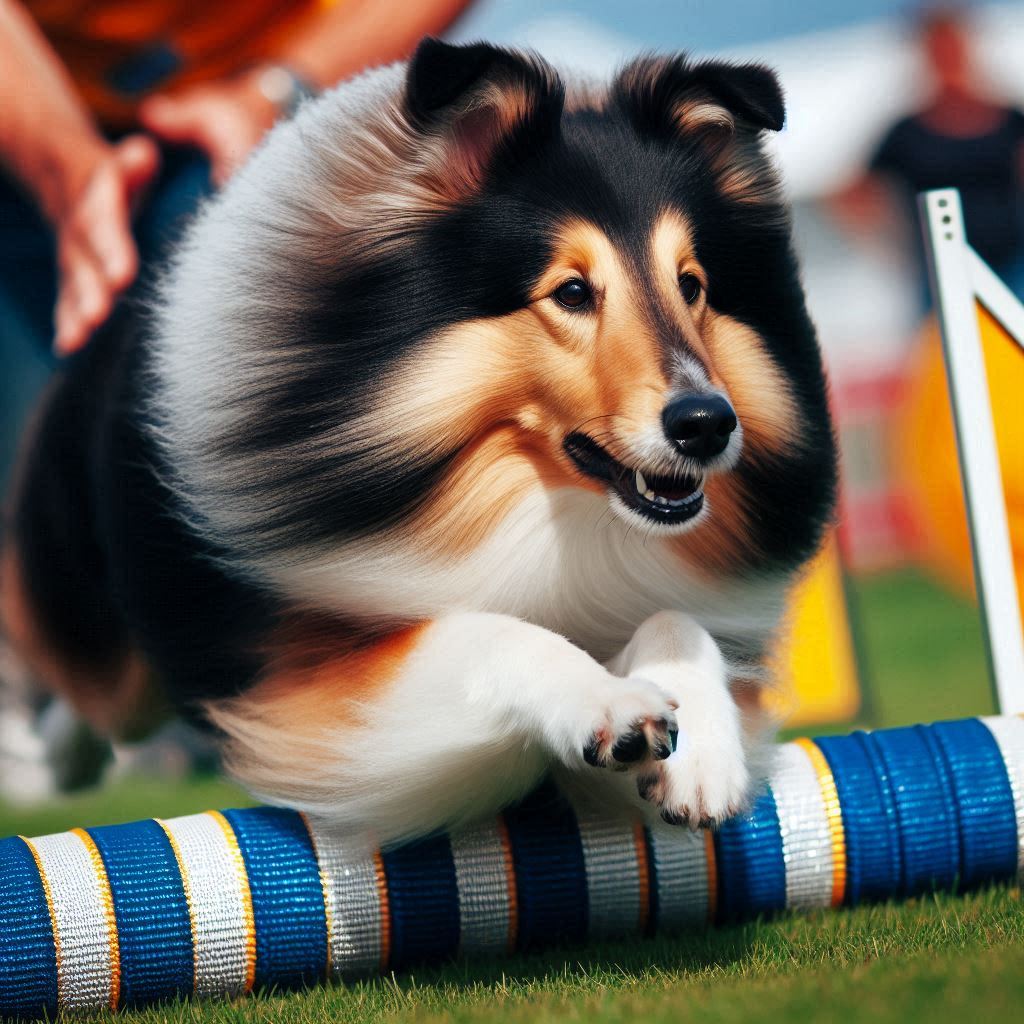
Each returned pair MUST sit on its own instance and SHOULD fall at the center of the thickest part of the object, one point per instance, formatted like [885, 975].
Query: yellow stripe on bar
[643, 867]
[712, 863]
[513, 892]
[834, 814]
[385, 910]
[107, 899]
[243, 881]
[48, 893]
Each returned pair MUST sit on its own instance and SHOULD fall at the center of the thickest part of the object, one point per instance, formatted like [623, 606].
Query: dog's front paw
[631, 722]
[704, 782]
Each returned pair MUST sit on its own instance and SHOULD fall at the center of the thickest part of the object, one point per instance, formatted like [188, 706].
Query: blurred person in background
[116, 118]
[118, 115]
[963, 137]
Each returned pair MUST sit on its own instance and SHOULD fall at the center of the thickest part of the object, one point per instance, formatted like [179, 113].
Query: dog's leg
[707, 778]
[438, 725]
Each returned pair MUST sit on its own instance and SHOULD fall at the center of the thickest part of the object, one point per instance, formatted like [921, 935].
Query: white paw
[704, 782]
[626, 721]
[707, 779]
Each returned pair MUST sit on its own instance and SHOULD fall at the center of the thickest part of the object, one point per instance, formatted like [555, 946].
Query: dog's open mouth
[662, 499]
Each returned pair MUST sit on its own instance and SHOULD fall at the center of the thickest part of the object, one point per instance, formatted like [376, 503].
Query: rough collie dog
[478, 434]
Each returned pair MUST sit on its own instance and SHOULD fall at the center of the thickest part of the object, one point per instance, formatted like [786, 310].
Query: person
[962, 137]
[119, 115]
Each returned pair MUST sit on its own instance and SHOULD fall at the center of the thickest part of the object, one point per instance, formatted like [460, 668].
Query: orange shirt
[118, 51]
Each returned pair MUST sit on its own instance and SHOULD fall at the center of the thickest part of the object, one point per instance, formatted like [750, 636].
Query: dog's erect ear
[712, 99]
[482, 98]
[440, 74]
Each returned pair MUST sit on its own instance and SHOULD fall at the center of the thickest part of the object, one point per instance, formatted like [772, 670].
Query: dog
[477, 432]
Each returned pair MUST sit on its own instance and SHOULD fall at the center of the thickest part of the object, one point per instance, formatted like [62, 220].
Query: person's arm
[227, 119]
[357, 34]
[83, 185]
[866, 202]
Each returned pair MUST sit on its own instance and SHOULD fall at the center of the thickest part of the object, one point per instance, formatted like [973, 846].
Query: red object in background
[876, 527]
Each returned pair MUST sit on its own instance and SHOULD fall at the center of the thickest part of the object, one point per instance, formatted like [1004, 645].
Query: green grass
[922, 655]
[950, 955]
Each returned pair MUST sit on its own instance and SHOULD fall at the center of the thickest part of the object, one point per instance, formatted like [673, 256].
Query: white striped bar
[680, 861]
[617, 899]
[220, 905]
[804, 827]
[486, 894]
[87, 975]
[356, 901]
[1008, 732]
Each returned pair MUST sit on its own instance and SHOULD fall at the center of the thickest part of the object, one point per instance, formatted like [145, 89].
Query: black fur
[103, 549]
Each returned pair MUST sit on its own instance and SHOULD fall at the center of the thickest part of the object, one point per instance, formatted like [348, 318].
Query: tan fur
[674, 255]
[583, 95]
[759, 390]
[700, 114]
[513, 387]
[718, 545]
[745, 177]
[118, 699]
[320, 681]
[506, 462]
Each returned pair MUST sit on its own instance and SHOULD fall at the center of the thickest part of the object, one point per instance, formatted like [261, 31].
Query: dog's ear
[440, 74]
[711, 100]
[481, 99]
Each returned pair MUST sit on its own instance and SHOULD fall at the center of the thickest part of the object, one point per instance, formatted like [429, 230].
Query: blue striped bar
[983, 798]
[869, 819]
[28, 958]
[423, 899]
[287, 896]
[926, 821]
[551, 879]
[922, 807]
[751, 870]
[153, 926]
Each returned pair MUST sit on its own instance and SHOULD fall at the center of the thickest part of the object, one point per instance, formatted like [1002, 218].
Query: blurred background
[884, 99]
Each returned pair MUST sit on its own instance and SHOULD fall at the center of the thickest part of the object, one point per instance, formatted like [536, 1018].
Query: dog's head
[449, 285]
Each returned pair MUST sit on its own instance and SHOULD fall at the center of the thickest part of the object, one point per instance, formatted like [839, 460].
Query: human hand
[226, 120]
[96, 254]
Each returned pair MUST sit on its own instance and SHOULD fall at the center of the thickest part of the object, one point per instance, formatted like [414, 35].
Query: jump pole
[219, 904]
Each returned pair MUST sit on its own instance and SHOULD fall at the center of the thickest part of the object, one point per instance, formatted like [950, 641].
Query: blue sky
[699, 25]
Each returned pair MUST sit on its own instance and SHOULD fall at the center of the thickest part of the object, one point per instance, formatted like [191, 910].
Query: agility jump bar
[222, 903]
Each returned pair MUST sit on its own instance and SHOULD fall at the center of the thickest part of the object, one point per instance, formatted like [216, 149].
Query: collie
[478, 433]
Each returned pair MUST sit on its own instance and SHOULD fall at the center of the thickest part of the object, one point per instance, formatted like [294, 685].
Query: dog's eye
[573, 294]
[690, 288]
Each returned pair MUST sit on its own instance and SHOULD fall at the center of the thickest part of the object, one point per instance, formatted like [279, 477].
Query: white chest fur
[560, 559]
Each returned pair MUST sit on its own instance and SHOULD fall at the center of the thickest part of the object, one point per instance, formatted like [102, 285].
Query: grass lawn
[950, 955]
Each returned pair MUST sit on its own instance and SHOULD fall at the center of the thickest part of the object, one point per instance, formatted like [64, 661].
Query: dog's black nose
[699, 424]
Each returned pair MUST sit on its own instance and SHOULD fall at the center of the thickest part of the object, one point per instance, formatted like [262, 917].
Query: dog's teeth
[660, 500]
[649, 495]
[641, 483]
